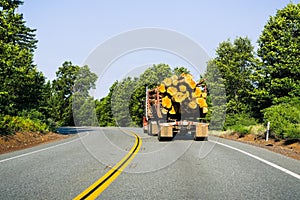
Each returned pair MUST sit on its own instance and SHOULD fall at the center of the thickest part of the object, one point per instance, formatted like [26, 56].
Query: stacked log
[181, 94]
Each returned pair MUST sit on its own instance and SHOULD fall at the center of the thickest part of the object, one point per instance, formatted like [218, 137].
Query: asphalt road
[180, 169]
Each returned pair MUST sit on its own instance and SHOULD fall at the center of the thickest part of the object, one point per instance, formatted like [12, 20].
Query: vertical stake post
[268, 131]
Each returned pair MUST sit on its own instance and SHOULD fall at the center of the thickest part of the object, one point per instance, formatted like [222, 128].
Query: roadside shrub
[238, 120]
[284, 120]
[39, 117]
[12, 124]
[240, 129]
[293, 132]
[52, 125]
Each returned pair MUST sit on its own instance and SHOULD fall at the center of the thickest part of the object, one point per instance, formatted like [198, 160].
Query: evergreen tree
[83, 105]
[217, 96]
[21, 84]
[236, 61]
[62, 92]
[278, 77]
[104, 110]
[180, 70]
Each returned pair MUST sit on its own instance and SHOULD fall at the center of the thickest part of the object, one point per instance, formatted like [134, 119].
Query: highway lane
[222, 174]
[181, 169]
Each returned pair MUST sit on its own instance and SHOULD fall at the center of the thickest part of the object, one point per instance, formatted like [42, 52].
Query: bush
[240, 129]
[32, 114]
[284, 120]
[13, 124]
[39, 117]
[52, 125]
[238, 120]
[239, 123]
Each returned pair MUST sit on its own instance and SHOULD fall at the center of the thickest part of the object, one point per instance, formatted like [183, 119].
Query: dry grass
[258, 129]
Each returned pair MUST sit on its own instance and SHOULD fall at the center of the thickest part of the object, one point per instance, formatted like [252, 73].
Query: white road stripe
[262, 160]
[37, 151]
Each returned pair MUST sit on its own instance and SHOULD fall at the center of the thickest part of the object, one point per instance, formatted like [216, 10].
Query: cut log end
[180, 93]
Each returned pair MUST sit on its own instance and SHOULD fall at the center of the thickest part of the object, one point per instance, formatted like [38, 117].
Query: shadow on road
[183, 136]
[71, 130]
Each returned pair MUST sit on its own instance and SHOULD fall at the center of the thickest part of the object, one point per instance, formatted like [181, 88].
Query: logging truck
[176, 106]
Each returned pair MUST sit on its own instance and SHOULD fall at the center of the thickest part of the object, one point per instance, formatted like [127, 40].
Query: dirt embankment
[290, 148]
[19, 141]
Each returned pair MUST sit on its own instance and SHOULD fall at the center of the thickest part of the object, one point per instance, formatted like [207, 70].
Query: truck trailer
[176, 106]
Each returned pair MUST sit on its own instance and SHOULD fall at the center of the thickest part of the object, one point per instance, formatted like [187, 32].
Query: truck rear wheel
[203, 138]
[149, 129]
[200, 138]
[193, 134]
[163, 138]
[145, 129]
[159, 137]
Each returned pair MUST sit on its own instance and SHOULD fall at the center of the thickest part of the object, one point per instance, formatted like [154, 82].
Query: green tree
[21, 84]
[180, 70]
[85, 81]
[216, 99]
[44, 103]
[83, 104]
[104, 110]
[152, 77]
[236, 62]
[84, 110]
[62, 91]
[279, 74]
[124, 105]
[120, 101]
[13, 29]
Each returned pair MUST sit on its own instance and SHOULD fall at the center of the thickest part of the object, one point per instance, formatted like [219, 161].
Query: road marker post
[268, 130]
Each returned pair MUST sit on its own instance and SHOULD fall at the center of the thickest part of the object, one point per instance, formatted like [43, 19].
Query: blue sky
[69, 30]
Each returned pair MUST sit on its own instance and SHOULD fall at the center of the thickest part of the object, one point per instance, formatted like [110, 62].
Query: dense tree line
[260, 85]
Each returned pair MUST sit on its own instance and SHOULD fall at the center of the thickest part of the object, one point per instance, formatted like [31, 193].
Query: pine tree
[21, 84]
[279, 50]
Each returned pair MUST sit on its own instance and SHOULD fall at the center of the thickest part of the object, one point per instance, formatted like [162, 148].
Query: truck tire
[193, 133]
[145, 130]
[163, 138]
[159, 137]
[200, 138]
[149, 129]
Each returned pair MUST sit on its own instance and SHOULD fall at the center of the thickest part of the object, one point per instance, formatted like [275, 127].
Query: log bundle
[180, 94]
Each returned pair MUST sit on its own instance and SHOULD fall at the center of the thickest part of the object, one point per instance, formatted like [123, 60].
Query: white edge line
[37, 151]
[262, 160]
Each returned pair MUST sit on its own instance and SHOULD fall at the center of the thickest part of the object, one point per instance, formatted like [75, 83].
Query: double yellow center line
[100, 185]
